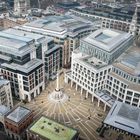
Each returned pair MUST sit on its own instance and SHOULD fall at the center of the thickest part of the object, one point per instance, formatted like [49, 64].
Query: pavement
[76, 112]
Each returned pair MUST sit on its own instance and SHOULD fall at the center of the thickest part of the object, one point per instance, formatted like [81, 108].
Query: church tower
[21, 7]
[133, 24]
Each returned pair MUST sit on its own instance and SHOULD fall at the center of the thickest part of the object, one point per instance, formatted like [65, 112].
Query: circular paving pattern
[75, 112]
[58, 96]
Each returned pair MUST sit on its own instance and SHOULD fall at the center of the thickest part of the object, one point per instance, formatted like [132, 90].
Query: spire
[133, 24]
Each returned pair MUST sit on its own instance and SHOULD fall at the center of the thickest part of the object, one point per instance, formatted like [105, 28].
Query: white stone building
[105, 81]
[22, 62]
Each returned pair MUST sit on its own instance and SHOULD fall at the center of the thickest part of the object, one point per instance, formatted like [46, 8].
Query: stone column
[34, 93]
[87, 94]
[38, 91]
[71, 83]
[81, 90]
[76, 87]
[98, 102]
[29, 97]
[104, 107]
[92, 98]
[66, 79]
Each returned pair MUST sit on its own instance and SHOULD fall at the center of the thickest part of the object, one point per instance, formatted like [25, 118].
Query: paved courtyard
[75, 112]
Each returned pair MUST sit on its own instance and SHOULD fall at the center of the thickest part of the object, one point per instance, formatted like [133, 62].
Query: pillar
[66, 79]
[76, 87]
[92, 98]
[38, 91]
[81, 90]
[98, 102]
[87, 94]
[104, 107]
[35, 93]
[71, 83]
[23, 96]
[29, 97]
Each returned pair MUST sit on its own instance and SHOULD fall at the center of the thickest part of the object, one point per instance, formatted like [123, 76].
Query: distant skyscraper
[21, 6]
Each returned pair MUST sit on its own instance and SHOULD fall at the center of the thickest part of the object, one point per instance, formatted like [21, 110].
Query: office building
[49, 52]
[106, 45]
[66, 30]
[124, 18]
[104, 75]
[21, 64]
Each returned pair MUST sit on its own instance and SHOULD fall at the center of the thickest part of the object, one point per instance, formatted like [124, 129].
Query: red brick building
[16, 122]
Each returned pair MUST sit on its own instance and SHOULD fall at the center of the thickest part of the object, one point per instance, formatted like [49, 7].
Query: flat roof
[59, 26]
[29, 66]
[5, 57]
[52, 130]
[105, 97]
[125, 117]
[14, 44]
[18, 114]
[93, 62]
[107, 39]
[21, 33]
[52, 49]
[129, 61]
[3, 110]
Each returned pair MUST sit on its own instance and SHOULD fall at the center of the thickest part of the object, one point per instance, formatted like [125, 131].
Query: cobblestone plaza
[77, 112]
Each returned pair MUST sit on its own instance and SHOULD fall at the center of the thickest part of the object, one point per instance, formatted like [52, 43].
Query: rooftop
[93, 62]
[130, 61]
[58, 25]
[124, 117]
[14, 31]
[107, 39]
[14, 44]
[105, 97]
[3, 110]
[29, 66]
[18, 114]
[121, 12]
[52, 130]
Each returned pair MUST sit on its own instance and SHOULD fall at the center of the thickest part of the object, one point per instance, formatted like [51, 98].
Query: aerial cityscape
[69, 70]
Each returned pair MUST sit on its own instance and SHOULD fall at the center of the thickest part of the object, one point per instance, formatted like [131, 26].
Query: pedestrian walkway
[77, 112]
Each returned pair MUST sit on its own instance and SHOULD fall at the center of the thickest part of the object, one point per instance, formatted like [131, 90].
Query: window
[129, 93]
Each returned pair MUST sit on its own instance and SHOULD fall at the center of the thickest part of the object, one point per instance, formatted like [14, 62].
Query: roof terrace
[93, 62]
[52, 130]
